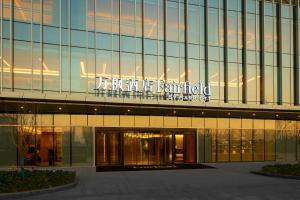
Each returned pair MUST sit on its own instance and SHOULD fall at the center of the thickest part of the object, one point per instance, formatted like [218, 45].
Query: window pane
[270, 139]
[286, 85]
[51, 67]
[90, 73]
[78, 14]
[128, 65]
[103, 64]
[214, 76]
[258, 144]
[150, 19]
[22, 10]
[37, 66]
[6, 67]
[213, 27]
[23, 65]
[78, 70]
[233, 82]
[104, 16]
[247, 145]
[22, 31]
[269, 84]
[51, 35]
[251, 83]
[173, 69]
[78, 38]
[232, 29]
[193, 71]
[291, 147]
[65, 13]
[82, 146]
[128, 17]
[65, 69]
[235, 145]
[172, 21]
[151, 68]
[51, 12]
[8, 143]
[223, 145]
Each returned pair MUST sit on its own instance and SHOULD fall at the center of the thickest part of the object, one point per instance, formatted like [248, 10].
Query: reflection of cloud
[104, 68]
[5, 62]
[20, 9]
[214, 75]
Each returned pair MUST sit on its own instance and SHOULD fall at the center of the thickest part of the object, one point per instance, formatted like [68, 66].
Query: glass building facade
[51, 52]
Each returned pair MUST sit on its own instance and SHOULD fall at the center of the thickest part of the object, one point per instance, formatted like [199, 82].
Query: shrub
[282, 169]
[11, 181]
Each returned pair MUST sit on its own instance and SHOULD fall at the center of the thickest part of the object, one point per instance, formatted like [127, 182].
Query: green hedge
[11, 181]
[282, 169]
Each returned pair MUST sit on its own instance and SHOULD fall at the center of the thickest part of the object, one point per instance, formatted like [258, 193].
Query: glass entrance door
[179, 148]
[185, 148]
[142, 148]
[108, 148]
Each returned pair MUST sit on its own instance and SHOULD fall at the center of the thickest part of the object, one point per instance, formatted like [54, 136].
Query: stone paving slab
[232, 181]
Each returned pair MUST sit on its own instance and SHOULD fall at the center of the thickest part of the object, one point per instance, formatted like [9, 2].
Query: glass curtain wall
[229, 140]
[60, 46]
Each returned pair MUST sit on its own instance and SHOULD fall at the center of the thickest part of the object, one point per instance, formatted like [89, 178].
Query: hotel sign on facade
[152, 89]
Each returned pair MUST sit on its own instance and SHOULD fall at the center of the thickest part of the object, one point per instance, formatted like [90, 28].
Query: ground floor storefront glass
[145, 146]
[88, 140]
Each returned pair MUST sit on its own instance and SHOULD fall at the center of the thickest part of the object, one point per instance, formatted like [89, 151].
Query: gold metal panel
[235, 123]
[78, 120]
[62, 120]
[170, 122]
[259, 124]
[247, 123]
[156, 121]
[44, 120]
[126, 121]
[141, 121]
[197, 122]
[270, 124]
[210, 123]
[111, 121]
[184, 122]
[223, 123]
[95, 120]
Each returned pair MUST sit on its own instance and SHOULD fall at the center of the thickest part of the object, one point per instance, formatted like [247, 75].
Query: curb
[276, 175]
[16, 195]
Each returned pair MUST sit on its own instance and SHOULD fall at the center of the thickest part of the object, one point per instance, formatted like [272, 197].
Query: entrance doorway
[185, 148]
[144, 148]
[138, 147]
[108, 148]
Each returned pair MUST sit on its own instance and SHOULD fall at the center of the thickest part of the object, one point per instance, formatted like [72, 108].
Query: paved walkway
[228, 181]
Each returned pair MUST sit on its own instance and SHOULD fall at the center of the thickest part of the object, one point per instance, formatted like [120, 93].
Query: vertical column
[165, 40]
[120, 12]
[296, 53]
[225, 52]
[262, 50]
[12, 43]
[143, 42]
[60, 49]
[186, 40]
[206, 40]
[42, 41]
[279, 58]
[69, 46]
[244, 51]
[1, 47]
